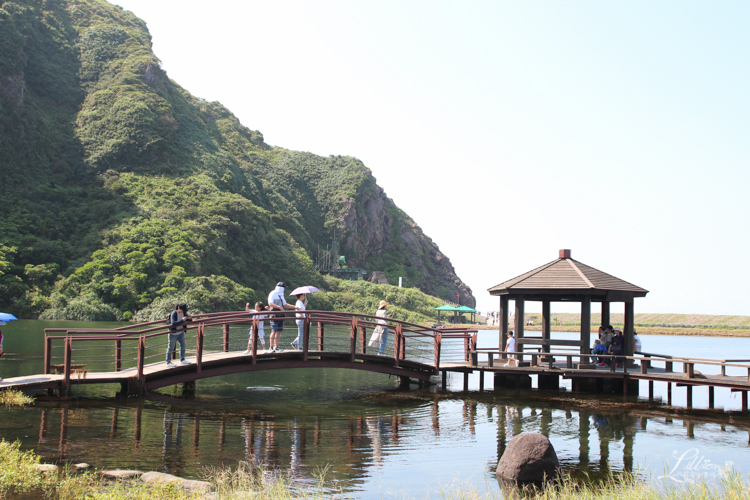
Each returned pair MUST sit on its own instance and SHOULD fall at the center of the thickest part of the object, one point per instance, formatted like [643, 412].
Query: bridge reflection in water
[175, 439]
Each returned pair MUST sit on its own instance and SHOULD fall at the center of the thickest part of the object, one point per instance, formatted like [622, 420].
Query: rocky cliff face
[374, 228]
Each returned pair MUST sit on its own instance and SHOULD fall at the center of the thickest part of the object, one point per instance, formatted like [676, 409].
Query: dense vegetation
[122, 192]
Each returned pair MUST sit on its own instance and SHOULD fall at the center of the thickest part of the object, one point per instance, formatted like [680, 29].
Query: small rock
[187, 484]
[80, 466]
[47, 467]
[529, 458]
[120, 474]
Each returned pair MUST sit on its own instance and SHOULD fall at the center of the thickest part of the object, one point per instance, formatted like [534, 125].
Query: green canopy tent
[446, 307]
[465, 309]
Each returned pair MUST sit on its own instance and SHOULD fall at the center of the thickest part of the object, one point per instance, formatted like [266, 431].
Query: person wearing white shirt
[510, 346]
[300, 305]
[277, 302]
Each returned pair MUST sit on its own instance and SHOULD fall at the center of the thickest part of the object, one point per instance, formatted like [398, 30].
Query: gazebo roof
[568, 279]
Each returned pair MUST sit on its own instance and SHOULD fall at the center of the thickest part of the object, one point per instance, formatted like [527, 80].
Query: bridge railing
[133, 347]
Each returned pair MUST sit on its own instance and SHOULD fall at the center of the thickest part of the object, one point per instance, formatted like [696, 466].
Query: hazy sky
[509, 130]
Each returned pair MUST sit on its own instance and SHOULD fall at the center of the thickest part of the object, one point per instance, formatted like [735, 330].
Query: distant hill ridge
[123, 193]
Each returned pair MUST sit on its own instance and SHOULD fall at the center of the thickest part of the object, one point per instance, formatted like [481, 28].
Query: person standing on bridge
[300, 305]
[178, 320]
[277, 302]
[261, 335]
[382, 325]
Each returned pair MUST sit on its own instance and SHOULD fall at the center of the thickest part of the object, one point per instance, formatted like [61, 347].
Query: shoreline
[642, 330]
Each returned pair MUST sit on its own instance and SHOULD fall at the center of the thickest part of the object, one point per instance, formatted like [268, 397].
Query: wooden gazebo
[565, 280]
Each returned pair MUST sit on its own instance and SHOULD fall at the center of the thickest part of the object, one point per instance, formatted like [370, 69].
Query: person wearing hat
[277, 302]
[177, 327]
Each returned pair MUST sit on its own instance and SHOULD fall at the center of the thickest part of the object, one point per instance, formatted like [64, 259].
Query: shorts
[277, 326]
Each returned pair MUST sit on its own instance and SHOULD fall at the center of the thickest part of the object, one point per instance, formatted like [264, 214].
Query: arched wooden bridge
[134, 355]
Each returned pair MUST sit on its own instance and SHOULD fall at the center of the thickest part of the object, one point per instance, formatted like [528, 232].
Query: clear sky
[509, 130]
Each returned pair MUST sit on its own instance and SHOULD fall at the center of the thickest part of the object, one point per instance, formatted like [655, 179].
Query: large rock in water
[529, 458]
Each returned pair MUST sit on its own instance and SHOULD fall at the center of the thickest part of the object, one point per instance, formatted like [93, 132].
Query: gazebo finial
[565, 254]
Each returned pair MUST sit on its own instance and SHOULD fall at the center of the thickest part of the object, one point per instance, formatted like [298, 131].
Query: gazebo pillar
[629, 323]
[503, 323]
[605, 313]
[586, 325]
[545, 323]
[519, 325]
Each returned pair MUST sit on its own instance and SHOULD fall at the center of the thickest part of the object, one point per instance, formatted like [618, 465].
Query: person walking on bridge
[277, 302]
[301, 305]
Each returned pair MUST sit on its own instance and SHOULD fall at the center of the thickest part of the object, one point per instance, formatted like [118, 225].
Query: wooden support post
[585, 327]
[438, 346]
[519, 326]
[605, 313]
[353, 340]
[650, 389]
[669, 393]
[306, 337]
[744, 401]
[199, 348]
[481, 380]
[141, 358]
[546, 332]
[723, 370]
[362, 339]
[503, 318]
[629, 320]
[668, 366]
[466, 381]
[47, 354]
[445, 379]
[254, 341]
[689, 396]
[118, 355]
[397, 339]
[710, 397]
[226, 336]
[67, 360]
[689, 369]
[321, 331]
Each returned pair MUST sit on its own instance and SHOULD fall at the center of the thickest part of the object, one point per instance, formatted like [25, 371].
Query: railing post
[226, 337]
[305, 337]
[362, 340]
[199, 349]
[397, 340]
[66, 367]
[438, 344]
[254, 340]
[47, 354]
[141, 357]
[466, 349]
[118, 355]
[353, 340]
[321, 331]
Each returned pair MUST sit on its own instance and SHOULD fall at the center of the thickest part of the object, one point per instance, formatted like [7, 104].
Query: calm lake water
[375, 440]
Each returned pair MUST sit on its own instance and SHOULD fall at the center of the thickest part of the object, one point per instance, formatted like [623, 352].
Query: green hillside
[123, 192]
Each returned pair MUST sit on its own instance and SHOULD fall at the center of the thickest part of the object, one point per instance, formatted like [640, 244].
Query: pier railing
[79, 352]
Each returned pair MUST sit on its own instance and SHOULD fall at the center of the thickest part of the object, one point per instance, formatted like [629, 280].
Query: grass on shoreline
[19, 476]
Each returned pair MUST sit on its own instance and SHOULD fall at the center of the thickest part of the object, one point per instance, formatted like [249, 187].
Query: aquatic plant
[14, 397]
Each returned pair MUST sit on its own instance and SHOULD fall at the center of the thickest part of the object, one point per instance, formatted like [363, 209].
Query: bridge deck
[223, 363]
[738, 382]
